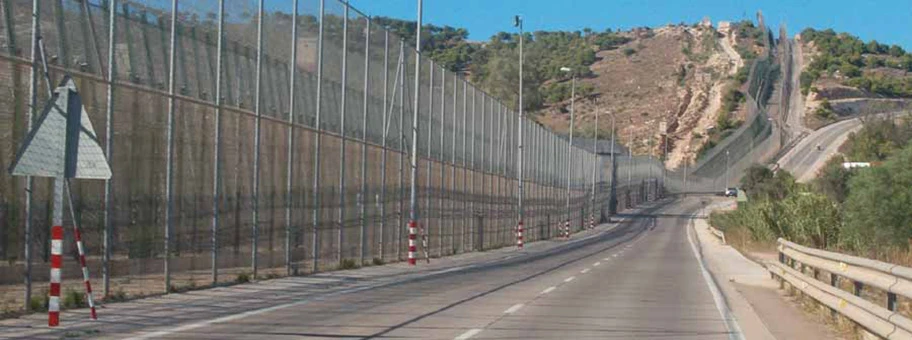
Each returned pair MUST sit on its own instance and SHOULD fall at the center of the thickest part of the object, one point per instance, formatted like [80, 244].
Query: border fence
[262, 138]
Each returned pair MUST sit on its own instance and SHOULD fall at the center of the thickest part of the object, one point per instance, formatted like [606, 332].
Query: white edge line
[468, 334]
[569, 279]
[729, 319]
[596, 264]
[548, 290]
[584, 271]
[513, 309]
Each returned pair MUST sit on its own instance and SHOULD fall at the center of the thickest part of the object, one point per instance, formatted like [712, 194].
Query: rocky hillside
[687, 80]
[683, 81]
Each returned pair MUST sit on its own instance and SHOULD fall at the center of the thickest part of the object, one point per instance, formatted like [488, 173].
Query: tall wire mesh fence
[267, 138]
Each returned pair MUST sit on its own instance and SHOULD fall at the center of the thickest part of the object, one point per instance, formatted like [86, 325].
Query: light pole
[569, 147]
[517, 21]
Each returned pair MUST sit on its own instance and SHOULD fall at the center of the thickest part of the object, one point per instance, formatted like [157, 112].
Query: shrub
[378, 261]
[73, 299]
[347, 264]
[629, 52]
[242, 278]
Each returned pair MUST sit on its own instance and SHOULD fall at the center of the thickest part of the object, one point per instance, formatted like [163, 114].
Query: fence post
[292, 82]
[365, 96]
[317, 140]
[169, 171]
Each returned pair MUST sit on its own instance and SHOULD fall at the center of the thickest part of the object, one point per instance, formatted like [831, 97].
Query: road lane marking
[584, 271]
[615, 255]
[731, 324]
[569, 279]
[468, 334]
[513, 309]
[606, 259]
[596, 264]
[548, 290]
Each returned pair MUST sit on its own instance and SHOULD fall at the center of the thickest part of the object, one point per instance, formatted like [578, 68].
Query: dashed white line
[468, 334]
[548, 290]
[584, 271]
[606, 259]
[596, 264]
[513, 309]
[570, 279]
[615, 255]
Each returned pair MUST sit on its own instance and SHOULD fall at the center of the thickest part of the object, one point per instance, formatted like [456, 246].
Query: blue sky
[887, 21]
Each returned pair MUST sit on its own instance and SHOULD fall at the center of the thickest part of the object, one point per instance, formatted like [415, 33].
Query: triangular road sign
[63, 142]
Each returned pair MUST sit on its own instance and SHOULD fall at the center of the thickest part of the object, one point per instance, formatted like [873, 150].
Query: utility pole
[517, 21]
[727, 170]
[413, 156]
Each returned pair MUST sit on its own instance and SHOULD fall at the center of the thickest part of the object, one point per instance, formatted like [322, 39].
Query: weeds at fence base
[73, 299]
[242, 278]
[377, 261]
[39, 303]
[117, 296]
[347, 264]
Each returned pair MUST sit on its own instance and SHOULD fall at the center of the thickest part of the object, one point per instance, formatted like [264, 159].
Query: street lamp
[569, 147]
[517, 22]
[727, 171]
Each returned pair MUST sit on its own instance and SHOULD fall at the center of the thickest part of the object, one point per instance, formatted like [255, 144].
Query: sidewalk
[762, 310]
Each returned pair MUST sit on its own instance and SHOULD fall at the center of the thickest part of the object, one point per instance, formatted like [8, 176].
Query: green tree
[833, 179]
[877, 209]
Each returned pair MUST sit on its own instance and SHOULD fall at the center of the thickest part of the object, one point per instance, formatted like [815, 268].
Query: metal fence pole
[317, 141]
[33, 110]
[365, 96]
[255, 237]
[474, 168]
[342, 109]
[289, 176]
[216, 178]
[169, 171]
[109, 151]
[442, 159]
[429, 166]
[465, 165]
[450, 195]
[402, 153]
[413, 200]
[484, 156]
[383, 150]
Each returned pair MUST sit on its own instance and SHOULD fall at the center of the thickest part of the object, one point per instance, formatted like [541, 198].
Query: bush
[629, 52]
[73, 299]
[833, 180]
[877, 210]
[39, 303]
[378, 261]
[347, 264]
[242, 278]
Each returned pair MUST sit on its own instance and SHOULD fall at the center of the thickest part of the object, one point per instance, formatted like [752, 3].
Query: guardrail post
[834, 280]
[857, 287]
[891, 301]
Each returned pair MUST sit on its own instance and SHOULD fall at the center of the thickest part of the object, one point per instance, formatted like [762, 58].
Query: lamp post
[569, 147]
[517, 21]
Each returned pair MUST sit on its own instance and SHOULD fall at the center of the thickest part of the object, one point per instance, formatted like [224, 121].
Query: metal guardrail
[883, 321]
[718, 233]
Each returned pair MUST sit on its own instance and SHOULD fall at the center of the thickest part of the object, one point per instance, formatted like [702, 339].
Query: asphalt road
[640, 279]
[804, 160]
[637, 282]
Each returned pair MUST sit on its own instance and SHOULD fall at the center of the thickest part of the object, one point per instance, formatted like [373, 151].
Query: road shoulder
[762, 311]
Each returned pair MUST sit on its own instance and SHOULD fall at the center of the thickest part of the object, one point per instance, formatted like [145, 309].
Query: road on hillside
[641, 280]
[805, 159]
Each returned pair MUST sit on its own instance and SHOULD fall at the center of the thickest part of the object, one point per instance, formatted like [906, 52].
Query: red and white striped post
[412, 247]
[519, 235]
[591, 221]
[567, 229]
[85, 271]
[56, 260]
